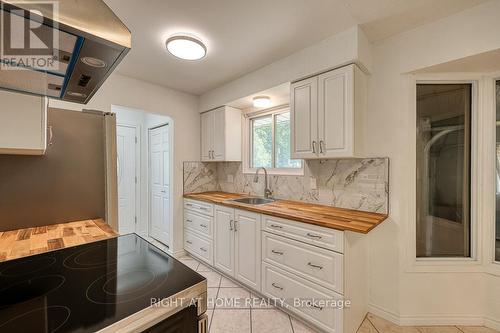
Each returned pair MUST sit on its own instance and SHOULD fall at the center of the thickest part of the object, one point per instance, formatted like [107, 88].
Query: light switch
[313, 184]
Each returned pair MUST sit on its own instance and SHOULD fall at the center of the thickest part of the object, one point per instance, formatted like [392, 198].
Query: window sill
[277, 172]
[438, 265]
[493, 268]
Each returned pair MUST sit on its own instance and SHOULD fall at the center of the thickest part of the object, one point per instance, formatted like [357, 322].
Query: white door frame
[137, 172]
[170, 187]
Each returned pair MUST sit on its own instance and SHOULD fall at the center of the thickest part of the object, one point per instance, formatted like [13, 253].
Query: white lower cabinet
[318, 265]
[247, 248]
[224, 240]
[202, 248]
[319, 273]
[237, 245]
[198, 230]
[297, 292]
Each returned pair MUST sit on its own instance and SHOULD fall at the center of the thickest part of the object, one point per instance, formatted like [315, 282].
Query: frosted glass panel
[443, 170]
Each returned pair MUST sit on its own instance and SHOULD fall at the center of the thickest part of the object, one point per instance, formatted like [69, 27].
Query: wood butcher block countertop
[325, 216]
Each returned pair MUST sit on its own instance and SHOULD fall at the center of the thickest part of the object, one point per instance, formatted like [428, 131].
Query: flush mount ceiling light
[186, 47]
[261, 102]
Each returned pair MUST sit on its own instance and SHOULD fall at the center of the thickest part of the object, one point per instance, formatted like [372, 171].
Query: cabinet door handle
[277, 252]
[204, 208]
[314, 266]
[313, 236]
[276, 226]
[321, 143]
[190, 221]
[314, 147]
[235, 225]
[231, 225]
[203, 225]
[189, 242]
[203, 249]
[189, 205]
[276, 286]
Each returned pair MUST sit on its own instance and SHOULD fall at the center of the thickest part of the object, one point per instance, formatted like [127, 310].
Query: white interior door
[127, 178]
[159, 184]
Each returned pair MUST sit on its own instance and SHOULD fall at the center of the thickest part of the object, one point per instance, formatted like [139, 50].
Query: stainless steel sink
[254, 201]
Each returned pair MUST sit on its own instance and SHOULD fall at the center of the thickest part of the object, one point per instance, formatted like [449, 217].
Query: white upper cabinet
[327, 113]
[207, 128]
[221, 135]
[23, 124]
[304, 118]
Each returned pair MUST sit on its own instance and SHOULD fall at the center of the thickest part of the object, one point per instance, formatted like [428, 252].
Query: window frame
[446, 264]
[491, 160]
[248, 143]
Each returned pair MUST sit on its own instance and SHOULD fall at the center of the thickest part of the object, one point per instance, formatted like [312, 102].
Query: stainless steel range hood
[82, 43]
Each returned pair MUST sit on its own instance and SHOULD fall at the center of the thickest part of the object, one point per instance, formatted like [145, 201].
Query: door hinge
[135, 139]
[135, 219]
[136, 179]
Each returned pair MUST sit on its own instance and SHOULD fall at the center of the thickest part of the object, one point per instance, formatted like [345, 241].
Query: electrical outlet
[230, 178]
[313, 184]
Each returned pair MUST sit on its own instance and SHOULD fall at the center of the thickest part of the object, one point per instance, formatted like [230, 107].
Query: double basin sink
[254, 201]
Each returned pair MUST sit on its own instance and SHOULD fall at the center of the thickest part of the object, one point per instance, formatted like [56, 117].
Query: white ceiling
[242, 36]
[279, 95]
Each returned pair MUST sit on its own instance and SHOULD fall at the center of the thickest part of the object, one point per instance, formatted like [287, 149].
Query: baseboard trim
[433, 319]
[384, 313]
[492, 323]
[179, 253]
[443, 319]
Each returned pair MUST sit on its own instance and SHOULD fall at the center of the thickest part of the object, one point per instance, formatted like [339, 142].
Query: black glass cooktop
[87, 287]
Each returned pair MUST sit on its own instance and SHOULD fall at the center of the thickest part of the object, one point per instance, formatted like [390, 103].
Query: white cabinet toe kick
[315, 273]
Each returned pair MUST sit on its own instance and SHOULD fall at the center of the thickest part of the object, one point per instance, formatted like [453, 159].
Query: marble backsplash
[361, 184]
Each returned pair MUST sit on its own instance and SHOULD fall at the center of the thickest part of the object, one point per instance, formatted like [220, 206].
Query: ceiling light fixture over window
[261, 102]
[186, 47]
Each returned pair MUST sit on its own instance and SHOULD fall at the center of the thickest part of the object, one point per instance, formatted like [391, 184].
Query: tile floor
[232, 308]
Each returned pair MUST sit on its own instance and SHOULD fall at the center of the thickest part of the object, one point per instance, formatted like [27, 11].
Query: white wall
[182, 108]
[341, 49]
[396, 291]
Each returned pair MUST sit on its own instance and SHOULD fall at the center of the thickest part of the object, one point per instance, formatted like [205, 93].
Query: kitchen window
[269, 143]
[443, 148]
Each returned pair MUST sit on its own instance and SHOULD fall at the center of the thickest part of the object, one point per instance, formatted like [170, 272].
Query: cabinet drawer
[201, 207]
[200, 223]
[321, 266]
[199, 247]
[280, 284]
[308, 233]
